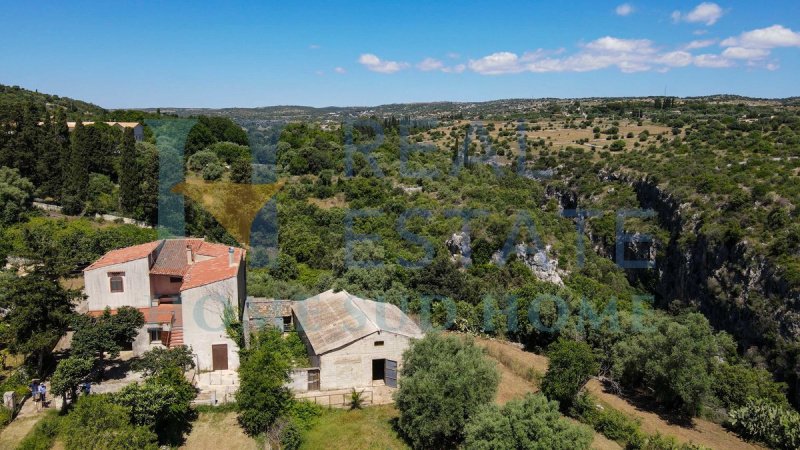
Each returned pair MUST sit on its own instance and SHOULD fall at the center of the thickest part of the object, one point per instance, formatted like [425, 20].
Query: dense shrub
[444, 381]
[530, 423]
[571, 364]
[264, 371]
[158, 359]
[96, 422]
[777, 426]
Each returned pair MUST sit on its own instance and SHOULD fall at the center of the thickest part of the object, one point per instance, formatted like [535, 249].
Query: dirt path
[701, 431]
[212, 431]
[16, 431]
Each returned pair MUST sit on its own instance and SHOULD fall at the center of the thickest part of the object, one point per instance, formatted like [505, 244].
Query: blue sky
[258, 53]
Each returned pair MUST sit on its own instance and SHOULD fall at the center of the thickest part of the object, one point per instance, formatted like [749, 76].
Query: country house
[182, 286]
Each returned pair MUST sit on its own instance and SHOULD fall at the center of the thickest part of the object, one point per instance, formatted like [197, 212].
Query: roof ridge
[364, 313]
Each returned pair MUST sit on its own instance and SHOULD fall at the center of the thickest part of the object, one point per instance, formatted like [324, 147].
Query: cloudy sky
[209, 54]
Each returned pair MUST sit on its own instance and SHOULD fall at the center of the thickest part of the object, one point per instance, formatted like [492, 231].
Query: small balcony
[165, 299]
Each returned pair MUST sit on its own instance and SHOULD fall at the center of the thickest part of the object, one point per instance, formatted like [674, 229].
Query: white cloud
[712, 61]
[339, 70]
[770, 37]
[376, 64]
[675, 59]
[700, 44]
[314, 47]
[612, 44]
[707, 13]
[428, 64]
[628, 55]
[496, 64]
[745, 53]
[458, 68]
[624, 9]
[453, 55]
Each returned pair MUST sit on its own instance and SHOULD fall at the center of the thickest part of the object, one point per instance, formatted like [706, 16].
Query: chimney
[230, 257]
[189, 255]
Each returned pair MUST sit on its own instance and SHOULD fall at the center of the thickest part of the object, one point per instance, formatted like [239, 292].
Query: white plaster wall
[351, 366]
[202, 321]
[299, 380]
[136, 286]
[142, 343]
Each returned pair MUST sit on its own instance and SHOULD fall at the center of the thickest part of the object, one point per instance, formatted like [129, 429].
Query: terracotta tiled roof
[212, 270]
[124, 255]
[162, 313]
[172, 259]
[211, 260]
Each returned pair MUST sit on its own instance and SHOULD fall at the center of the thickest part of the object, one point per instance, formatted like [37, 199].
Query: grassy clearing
[214, 430]
[368, 428]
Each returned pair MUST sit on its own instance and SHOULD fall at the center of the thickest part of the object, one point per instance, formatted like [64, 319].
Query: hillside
[14, 96]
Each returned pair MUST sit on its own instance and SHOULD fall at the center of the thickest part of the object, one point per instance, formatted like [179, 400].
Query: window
[378, 343]
[116, 281]
[175, 280]
[155, 335]
[287, 323]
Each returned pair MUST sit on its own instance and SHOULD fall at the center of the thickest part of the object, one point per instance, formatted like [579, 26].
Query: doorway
[219, 356]
[378, 369]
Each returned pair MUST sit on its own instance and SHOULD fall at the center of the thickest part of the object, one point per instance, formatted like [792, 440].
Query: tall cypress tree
[76, 175]
[49, 169]
[129, 175]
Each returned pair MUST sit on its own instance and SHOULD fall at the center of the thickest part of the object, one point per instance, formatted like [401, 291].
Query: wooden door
[219, 356]
[390, 373]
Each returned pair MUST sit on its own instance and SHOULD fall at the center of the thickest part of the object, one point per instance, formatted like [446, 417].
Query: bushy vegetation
[776, 425]
[571, 365]
[443, 383]
[529, 423]
[263, 397]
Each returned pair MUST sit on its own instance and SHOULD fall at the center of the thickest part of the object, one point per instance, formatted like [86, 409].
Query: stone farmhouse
[352, 342]
[182, 286]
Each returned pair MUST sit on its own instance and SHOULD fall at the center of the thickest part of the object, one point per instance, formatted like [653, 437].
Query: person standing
[43, 395]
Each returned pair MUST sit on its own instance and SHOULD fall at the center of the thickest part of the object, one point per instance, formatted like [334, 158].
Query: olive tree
[444, 381]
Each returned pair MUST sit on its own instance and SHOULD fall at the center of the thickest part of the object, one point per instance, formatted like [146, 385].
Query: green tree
[97, 423]
[531, 423]
[157, 360]
[148, 163]
[94, 337]
[70, 373]
[200, 160]
[162, 403]
[242, 170]
[571, 365]
[130, 176]
[16, 195]
[76, 175]
[263, 373]
[101, 194]
[676, 360]
[444, 381]
[213, 172]
[38, 312]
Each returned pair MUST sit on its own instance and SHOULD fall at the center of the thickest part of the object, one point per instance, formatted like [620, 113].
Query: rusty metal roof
[332, 320]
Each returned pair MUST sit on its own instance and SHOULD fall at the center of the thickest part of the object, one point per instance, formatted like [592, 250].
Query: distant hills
[12, 96]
